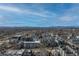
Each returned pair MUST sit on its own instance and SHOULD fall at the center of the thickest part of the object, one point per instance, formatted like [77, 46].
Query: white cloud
[70, 14]
[12, 9]
[35, 13]
[42, 13]
[68, 18]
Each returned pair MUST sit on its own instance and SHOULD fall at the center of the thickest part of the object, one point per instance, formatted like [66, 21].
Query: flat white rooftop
[31, 41]
[17, 36]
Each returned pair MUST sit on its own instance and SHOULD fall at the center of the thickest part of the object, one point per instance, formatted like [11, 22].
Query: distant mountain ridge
[53, 27]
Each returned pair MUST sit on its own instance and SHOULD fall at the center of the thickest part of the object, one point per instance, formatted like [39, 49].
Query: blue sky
[39, 15]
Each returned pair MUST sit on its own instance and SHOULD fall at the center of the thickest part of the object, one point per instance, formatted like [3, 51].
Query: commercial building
[25, 42]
